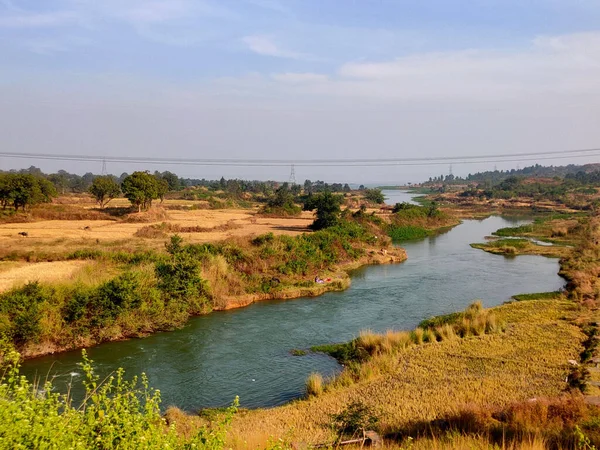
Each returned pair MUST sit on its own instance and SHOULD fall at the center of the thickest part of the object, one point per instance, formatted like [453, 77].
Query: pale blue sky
[298, 79]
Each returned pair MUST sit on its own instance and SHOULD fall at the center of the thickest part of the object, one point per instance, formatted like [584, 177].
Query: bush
[22, 313]
[179, 278]
[355, 418]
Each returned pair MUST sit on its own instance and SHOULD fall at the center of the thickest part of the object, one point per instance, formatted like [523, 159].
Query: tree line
[27, 187]
[493, 177]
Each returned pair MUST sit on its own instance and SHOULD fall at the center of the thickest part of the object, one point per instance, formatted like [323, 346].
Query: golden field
[428, 381]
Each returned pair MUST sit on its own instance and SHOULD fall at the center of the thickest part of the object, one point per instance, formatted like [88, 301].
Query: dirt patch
[44, 272]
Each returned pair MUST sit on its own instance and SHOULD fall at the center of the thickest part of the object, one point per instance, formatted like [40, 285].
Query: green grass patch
[407, 232]
[344, 353]
[513, 231]
[538, 296]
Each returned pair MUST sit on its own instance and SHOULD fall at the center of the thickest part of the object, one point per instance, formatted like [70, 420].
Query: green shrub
[22, 313]
[179, 278]
[115, 414]
[263, 239]
[76, 306]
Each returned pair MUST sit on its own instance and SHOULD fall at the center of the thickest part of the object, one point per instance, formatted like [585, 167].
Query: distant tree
[347, 188]
[308, 187]
[282, 202]
[361, 187]
[374, 195]
[87, 180]
[172, 179]
[140, 188]
[328, 209]
[60, 181]
[23, 189]
[104, 189]
[162, 187]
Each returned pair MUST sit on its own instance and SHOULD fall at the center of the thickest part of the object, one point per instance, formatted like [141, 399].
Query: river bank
[250, 347]
[146, 297]
[415, 381]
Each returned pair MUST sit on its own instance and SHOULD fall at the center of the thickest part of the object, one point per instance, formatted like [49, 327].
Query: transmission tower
[293, 175]
[450, 170]
[104, 167]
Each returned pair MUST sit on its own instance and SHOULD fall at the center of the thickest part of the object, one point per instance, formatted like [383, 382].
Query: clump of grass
[298, 352]
[314, 384]
[417, 335]
[474, 321]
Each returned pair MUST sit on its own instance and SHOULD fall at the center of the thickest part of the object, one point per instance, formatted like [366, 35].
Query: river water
[246, 352]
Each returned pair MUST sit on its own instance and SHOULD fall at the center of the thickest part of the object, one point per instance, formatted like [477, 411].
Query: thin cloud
[55, 19]
[554, 64]
[264, 45]
[300, 77]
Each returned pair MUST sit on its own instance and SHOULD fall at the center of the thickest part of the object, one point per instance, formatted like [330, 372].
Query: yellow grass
[44, 272]
[430, 380]
[54, 237]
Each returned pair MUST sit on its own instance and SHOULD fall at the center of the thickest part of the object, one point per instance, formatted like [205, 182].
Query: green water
[245, 352]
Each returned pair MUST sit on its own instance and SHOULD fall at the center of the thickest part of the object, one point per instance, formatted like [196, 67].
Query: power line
[423, 161]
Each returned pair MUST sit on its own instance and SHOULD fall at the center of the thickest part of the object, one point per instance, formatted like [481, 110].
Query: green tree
[22, 190]
[374, 195]
[140, 188]
[282, 202]
[104, 189]
[172, 179]
[328, 209]
[179, 277]
[162, 187]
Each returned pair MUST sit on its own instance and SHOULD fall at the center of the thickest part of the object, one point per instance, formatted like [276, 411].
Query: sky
[287, 79]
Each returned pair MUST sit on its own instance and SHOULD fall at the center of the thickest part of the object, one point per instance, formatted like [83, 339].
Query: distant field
[72, 234]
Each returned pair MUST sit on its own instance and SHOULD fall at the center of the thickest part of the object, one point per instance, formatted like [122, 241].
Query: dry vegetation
[460, 381]
[16, 274]
[432, 380]
[239, 268]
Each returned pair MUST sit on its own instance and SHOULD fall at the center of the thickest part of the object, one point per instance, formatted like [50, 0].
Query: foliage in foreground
[115, 414]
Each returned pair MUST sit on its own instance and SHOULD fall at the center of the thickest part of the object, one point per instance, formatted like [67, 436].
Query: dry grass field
[37, 255]
[16, 274]
[48, 239]
[428, 381]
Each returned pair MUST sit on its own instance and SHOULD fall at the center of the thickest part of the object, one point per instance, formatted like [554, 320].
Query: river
[246, 352]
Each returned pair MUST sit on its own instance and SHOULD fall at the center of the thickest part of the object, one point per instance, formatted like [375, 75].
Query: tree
[140, 188]
[308, 187]
[104, 189]
[328, 209]
[374, 195]
[22, 189]
[172, 179]
[162, 187]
